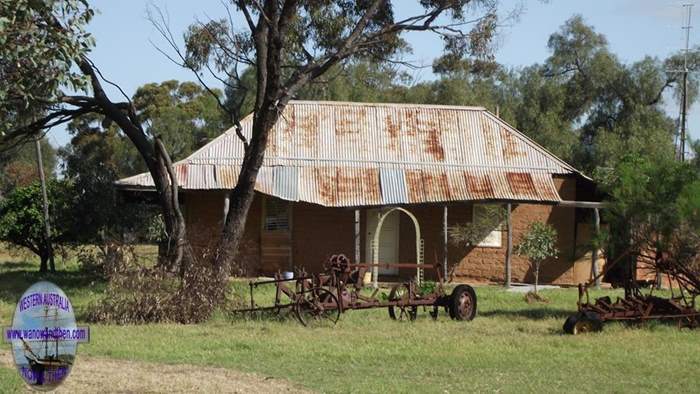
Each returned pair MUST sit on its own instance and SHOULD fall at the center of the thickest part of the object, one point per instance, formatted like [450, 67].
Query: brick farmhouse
[333, 169]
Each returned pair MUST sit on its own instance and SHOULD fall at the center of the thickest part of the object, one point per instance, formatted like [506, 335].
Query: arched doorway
[376, 248]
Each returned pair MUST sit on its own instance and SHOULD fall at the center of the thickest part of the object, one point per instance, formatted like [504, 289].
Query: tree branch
[313, 70]
[249, 19]
[164, 30]
[670, 81]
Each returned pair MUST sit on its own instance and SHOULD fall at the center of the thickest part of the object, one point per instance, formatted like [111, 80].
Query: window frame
[490, 240]
[276, 228]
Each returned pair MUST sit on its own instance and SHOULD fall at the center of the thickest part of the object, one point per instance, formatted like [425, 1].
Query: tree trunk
[268, 39]
[242, 195]
[43, 266]
[45, 205]
[158, 163]
[537, 276]
[179, 253]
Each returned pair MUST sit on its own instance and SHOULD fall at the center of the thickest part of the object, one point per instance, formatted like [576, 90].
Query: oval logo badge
[44, 336]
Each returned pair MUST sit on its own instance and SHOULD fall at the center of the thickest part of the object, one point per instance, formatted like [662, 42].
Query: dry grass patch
[95, 374]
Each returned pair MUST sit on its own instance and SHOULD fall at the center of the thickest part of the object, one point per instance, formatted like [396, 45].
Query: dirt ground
[91, 374]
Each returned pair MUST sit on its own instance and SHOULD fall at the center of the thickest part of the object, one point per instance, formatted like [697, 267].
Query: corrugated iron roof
[353, 154]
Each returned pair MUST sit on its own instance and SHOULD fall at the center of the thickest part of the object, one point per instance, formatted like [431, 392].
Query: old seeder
[321, 298]
[636, 305]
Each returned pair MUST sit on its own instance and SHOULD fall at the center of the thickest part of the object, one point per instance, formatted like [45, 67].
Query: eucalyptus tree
[614, 108]
[18, 166]
[292, 43]
[44, 61]
[44, 58]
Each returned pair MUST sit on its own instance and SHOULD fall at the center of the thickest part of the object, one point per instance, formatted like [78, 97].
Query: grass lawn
[511, 346]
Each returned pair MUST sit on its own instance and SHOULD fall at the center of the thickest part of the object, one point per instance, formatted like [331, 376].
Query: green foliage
[183, 114]
[427, 287]
[320, 39]
[22, 218]
[93, 161]
[18, 166]
[689, 204]
[650, 203]
[36, 57]
[360, 81]
[535, 104]
[694, 146]
[611, 108]
[99, 143]
[538, 243]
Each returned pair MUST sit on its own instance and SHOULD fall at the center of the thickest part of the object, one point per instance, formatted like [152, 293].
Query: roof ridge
[389, 104]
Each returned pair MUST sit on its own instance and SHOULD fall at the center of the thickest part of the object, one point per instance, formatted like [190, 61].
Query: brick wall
[488, 263]
[204, 214]
[318, 232]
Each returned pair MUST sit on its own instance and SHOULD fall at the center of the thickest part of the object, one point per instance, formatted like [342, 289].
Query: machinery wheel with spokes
[403, 311]
[463, 303]
[583, 322]
[317, 307]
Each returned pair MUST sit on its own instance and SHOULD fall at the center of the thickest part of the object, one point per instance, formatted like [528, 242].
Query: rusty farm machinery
[322, 298]
[639, 305]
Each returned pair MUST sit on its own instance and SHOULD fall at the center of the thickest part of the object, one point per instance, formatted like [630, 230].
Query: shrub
[139, 293]
[538, 244]
[470, 234]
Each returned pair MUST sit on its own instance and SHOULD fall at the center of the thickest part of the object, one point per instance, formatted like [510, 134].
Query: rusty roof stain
[356, 154]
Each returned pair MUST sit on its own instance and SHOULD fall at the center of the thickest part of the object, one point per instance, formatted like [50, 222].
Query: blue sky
[634, 28]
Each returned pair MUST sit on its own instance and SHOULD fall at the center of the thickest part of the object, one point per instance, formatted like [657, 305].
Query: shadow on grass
[282, 315]
[532, 313]
[18, 265]
[16, 277]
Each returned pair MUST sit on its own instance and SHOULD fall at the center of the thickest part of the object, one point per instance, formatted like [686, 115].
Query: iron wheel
[400, 292]
[463, 303]
[583, 322]
[317, 307]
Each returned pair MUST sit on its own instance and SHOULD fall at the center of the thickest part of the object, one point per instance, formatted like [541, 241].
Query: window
[490, 216]
[276, 215]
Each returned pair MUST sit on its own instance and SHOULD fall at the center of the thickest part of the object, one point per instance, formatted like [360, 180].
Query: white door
[388, 240]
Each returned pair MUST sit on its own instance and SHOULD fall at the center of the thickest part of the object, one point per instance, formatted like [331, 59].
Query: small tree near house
[22, 219]
[538, 244]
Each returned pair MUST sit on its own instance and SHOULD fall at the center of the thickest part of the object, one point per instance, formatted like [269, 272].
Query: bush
[22, 218]
[471, 233]
[137, 293]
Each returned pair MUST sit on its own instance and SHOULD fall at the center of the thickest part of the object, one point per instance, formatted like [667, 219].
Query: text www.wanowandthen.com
[81, 334]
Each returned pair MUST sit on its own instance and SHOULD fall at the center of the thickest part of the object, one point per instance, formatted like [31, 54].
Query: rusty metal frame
[342, 283]
[638, 306]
